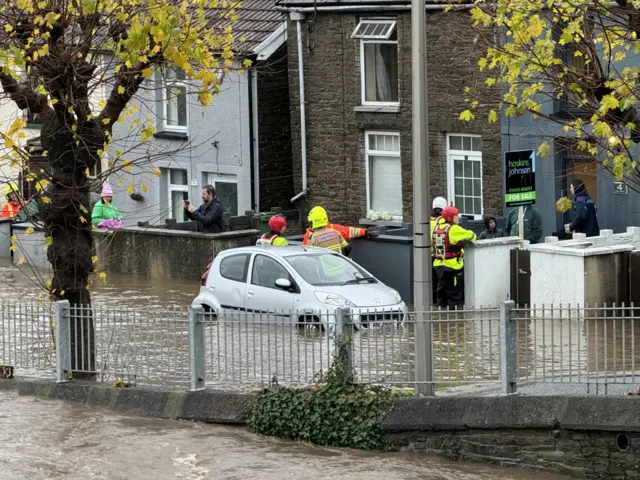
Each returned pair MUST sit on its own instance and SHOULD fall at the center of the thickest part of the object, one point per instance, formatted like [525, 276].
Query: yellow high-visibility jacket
[457, 235]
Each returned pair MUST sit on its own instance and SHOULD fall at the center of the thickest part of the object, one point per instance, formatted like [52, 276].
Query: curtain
[385, 184]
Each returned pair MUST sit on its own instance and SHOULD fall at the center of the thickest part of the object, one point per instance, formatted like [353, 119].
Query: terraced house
[355, 117]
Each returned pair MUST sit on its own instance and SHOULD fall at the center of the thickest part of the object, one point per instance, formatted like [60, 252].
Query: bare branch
[23, 95]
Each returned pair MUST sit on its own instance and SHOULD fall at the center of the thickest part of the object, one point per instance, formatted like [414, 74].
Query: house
[240, 143]
[357, 151]
[618, 203]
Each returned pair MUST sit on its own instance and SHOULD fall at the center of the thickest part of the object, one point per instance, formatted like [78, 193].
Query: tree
[52, 54]
[572, 51]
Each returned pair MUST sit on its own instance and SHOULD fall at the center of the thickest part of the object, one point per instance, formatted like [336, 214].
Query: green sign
[520, 178]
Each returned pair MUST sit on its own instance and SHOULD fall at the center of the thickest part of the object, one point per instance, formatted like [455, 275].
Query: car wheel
[310, 321]
[210, 313]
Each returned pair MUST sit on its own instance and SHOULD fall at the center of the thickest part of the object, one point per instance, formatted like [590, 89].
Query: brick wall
[274, 132]
[335, 132]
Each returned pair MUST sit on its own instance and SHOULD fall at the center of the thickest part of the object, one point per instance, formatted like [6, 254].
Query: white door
[262, 294]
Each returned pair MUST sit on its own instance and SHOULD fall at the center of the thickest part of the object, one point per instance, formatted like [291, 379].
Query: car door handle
[249, 292]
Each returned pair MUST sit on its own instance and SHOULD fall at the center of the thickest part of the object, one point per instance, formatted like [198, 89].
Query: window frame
[165, 104]
[367, 164]
[245, 270]
[274, 287]
[173, 187]
[388, 21]
[451, 178]
[363, 75]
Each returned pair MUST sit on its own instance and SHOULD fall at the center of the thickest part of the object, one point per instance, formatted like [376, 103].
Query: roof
[281, 251]
[361, 3]
[258, 21]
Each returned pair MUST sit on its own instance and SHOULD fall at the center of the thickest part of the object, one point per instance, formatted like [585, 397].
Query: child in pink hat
[104, 210]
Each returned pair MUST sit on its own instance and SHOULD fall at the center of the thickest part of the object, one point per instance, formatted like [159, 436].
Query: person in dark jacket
[491, 230]
[209, 214]
[532, 228]
[585, 218]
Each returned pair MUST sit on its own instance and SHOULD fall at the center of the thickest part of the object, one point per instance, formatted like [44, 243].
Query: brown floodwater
[49, 440]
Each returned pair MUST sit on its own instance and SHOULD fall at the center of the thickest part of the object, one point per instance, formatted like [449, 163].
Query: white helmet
[439, 202]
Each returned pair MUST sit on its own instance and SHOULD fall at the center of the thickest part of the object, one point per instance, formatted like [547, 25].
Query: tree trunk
[67, 220]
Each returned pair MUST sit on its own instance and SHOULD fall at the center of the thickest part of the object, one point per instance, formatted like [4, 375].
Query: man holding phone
[209, 214]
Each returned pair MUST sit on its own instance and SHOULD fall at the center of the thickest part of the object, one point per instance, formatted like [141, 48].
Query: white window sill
[377, 108]
[386, 223]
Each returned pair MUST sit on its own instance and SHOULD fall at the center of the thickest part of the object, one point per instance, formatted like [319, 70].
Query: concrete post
[551, 239]
[580, 237]
[196, 348]
[508, 344]
[422, 291]
[608, 237]
[635, 234]
[63, 341]
[343, 344]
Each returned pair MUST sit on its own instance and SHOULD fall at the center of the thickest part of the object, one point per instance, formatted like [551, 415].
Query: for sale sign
[520, 178]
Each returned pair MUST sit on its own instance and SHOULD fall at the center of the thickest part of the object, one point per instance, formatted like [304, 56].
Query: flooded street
[120, 290]
[49, 440]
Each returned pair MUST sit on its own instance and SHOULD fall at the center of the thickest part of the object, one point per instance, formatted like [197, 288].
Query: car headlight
[334, 299]
[396, 295]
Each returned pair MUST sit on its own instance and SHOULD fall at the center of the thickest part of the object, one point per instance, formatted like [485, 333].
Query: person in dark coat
[585, 218]
[209, 214]
[491, 228]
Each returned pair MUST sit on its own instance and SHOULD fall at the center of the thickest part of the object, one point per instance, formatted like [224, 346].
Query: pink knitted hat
[107, 191]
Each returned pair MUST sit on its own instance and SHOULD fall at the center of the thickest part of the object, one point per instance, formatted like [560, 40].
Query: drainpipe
[298, 18]
[253, 158]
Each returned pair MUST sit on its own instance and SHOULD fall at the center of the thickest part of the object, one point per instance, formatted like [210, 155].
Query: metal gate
[521, 276]
[634, 278]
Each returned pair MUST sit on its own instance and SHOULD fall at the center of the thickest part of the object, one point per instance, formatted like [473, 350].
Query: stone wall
[336, 126]
[584, 437]
[161, 253]
[274, 132]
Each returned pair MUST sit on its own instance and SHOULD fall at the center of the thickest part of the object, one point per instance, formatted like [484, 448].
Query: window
[313, 268]
[178, 192]
[226, 191]
[266, 271]
[175, 101]
[234, 267]
[464, 167]
[575, 56]
[378, 61]
[383, 171]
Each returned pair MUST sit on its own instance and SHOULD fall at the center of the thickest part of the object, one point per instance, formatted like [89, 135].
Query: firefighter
[277, 226]
[323, 235]
[437, 205]
[348, 233]
[447, 240]
[14, 202]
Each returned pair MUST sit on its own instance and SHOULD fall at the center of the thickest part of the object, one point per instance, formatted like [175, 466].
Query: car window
[266, 271]
[327, 269]
[234, 267]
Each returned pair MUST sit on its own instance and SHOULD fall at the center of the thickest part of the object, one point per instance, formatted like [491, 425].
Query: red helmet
[277, 223]
[449, 212]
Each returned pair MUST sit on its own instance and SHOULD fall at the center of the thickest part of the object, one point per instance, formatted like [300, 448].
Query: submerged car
[304, 284]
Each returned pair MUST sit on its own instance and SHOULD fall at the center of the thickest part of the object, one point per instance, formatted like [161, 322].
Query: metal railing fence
[501, 348]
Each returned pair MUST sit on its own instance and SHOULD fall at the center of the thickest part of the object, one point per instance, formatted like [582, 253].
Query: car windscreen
[328, 269]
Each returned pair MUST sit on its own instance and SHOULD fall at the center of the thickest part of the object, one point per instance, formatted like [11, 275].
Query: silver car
[305, 284]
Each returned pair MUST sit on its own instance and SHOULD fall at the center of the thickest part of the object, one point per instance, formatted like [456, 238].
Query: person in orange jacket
[348, 233]
[14, 201]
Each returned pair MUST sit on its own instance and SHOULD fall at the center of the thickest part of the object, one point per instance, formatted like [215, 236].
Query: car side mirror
[283, 283]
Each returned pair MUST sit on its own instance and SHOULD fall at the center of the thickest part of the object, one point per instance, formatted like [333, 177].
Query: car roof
[280, 251]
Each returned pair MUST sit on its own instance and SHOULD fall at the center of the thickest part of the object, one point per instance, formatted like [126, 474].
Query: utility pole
[422, 290]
